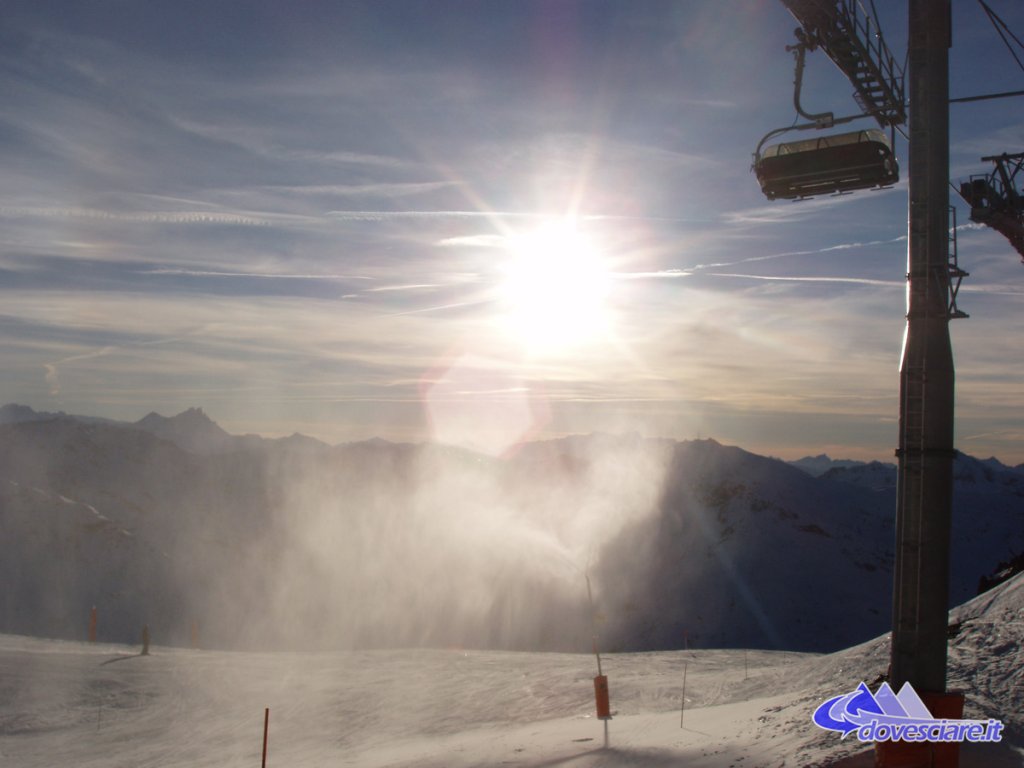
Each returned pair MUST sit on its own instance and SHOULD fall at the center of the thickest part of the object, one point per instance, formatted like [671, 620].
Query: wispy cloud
[993, 289]
[814, 279]
[655, 274]
[156, 217]
[267, 275]
[790, 211]
[426, 214]
[1005, 138]
[354, 158]
[397, 288]
[52, 372]
[713, 103]
[673, 273]
[261, 143]
[474, 241]
[387, 190]
[442, 308]
[1003, 435]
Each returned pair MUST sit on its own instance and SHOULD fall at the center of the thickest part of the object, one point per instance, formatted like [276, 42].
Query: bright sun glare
[555, 287]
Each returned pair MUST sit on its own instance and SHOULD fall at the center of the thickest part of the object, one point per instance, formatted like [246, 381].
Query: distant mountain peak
[191, 430]
[189, 415]
[822, 463]
[193, 416]
[12, 413]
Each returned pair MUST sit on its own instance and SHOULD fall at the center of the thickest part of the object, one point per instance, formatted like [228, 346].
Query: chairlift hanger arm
[799, 51]
[819, 120]
[853, 41]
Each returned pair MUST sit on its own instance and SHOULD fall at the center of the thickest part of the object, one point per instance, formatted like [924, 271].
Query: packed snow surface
[101, 706]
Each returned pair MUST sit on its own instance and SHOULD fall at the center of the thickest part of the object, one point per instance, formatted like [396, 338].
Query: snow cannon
[604, 709]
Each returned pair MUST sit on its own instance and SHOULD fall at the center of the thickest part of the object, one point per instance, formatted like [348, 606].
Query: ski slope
[105, 706]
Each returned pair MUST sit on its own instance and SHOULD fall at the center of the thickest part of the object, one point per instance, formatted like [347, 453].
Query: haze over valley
[294, 544]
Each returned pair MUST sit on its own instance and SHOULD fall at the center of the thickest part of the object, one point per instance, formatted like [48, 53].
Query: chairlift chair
[826, 165]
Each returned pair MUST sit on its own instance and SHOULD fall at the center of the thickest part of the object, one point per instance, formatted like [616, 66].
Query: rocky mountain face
[293, 543]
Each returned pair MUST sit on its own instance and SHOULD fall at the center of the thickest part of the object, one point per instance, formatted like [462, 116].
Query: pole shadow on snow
[624, 757]
[568, 760]
[122, 657]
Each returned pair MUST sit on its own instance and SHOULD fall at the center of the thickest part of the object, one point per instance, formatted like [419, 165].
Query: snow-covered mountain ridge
[293, 543]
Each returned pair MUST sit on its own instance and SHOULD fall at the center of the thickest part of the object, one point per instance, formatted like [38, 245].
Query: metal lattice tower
[851, 39]
[995, 199]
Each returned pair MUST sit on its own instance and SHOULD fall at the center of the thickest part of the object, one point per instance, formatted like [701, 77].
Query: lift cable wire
[997, 22]
[1004, 95]
[1001, 25]
[994, 198]
[874, 14]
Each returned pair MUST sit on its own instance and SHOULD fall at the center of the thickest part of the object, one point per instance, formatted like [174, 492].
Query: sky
[473, 222]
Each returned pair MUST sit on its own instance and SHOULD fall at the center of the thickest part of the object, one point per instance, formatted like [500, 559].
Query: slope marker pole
[266, 726]
[682, 704]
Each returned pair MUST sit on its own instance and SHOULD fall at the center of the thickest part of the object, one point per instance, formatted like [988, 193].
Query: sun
[555, 286]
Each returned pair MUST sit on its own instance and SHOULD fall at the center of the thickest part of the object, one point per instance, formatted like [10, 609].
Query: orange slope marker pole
[601, 696]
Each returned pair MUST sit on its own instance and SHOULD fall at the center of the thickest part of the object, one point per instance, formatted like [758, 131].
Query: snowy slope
[101, 706]
[59, 556]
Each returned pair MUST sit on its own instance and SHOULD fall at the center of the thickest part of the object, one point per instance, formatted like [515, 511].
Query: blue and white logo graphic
[888, 716]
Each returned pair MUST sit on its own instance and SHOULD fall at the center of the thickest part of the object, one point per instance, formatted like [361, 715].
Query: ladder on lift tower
[850, 37]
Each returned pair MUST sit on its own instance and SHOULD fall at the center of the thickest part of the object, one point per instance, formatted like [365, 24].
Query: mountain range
[644, 543]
